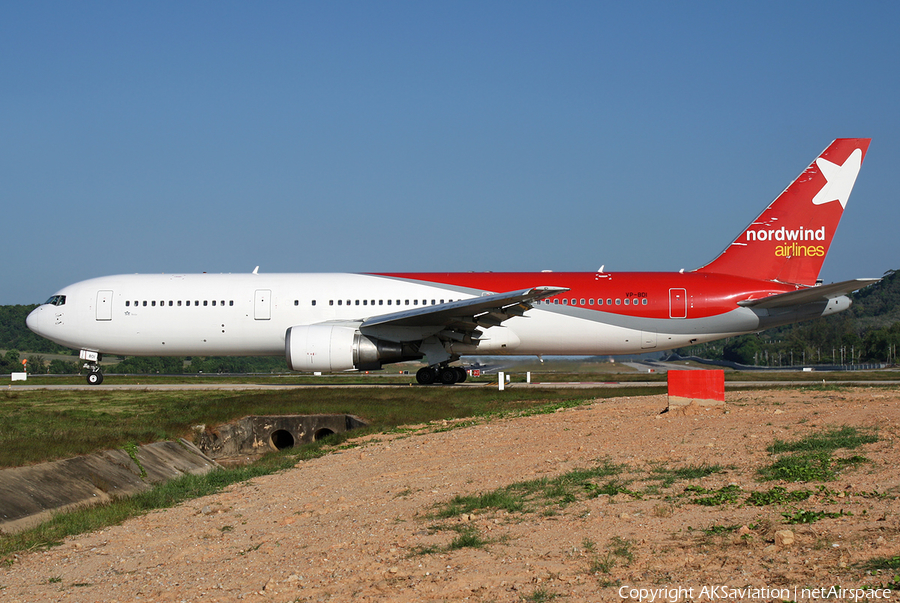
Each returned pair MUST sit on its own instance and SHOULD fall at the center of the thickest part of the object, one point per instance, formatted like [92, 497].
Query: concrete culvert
[282, 439]
[322, 433]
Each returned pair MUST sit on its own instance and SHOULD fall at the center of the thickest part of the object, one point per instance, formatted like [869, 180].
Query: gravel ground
[360, 524]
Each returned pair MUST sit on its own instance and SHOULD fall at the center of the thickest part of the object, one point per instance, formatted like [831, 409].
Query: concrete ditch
[31, 495]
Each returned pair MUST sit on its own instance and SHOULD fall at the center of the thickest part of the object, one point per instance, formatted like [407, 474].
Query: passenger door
[104, 305]
[262, 304]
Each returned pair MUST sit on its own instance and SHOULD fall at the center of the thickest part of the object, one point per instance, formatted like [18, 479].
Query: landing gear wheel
[463, 374]
[449, 375]
[425, 376]
[95, 377]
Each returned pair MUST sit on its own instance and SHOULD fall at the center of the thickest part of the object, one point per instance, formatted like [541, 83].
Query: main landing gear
[441, 374]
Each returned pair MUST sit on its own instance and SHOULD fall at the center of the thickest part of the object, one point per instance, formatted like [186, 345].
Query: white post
[501, 381]
[528, 377]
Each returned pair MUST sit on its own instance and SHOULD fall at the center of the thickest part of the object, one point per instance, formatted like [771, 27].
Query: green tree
[742, 349]
[10, 362]
[61, 367]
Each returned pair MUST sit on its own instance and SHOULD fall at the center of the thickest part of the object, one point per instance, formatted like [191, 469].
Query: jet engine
[333, 348]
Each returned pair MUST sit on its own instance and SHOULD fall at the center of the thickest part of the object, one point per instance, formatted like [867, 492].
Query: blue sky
[424, 136]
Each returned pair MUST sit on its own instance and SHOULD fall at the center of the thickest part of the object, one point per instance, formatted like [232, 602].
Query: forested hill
[879, 304]
[14, 335]
[868, 332]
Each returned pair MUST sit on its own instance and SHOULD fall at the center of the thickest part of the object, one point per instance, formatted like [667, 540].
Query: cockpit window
[57, 300]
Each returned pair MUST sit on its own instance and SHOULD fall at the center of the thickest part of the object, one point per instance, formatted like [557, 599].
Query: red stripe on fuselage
[706, 294]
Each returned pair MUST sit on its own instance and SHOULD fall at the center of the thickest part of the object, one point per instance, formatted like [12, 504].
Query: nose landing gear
[92, 359]
[95, 375]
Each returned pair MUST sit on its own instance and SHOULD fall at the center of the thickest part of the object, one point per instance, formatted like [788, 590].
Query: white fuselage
[248, 314]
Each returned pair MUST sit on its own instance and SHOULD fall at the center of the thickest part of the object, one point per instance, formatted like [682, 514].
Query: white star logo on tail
[839, 179]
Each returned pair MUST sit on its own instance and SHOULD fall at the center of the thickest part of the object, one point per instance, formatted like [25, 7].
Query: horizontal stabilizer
[810, 295]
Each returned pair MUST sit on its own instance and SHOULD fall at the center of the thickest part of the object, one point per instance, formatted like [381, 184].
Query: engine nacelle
[333, 348]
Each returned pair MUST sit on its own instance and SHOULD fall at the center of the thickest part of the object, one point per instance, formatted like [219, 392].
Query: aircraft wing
[809, 295]
[485, 311]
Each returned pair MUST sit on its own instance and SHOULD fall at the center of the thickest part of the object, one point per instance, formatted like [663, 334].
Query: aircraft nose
[33, 320]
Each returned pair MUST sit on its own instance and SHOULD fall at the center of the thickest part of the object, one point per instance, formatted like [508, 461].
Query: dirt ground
[361, 524]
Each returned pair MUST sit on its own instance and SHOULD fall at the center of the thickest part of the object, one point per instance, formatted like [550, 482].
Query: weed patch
[711, 498]
[618, 552]
[468, 537]
[541, 595]
[715, 530]
[810, 459]
[885, 565]
[528, 496]
[669, 476]
[844, 437]
[778, 495]
[802, 516]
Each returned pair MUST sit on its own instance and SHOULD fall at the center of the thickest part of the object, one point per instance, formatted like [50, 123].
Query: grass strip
[43, 425]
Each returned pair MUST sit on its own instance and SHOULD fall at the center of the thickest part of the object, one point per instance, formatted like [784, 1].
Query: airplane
[766, 277]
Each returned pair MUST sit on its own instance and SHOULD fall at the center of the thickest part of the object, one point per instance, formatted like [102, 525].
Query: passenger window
[608, 301]
[644, 301]
[340, 302]
[565, 302]
[205, 303]
[296, 302]
[591, 302]
[314, 302]
[153, 303]
[170, 303]
[231, 302]
[381, 302]
[179, 303]
[389, 302]
[618, 302]
[599, 301]
[626, 301]
[555, 301]
[127, 303]
[365, 302]
[330, 302]
[357, 302]
[582, 301]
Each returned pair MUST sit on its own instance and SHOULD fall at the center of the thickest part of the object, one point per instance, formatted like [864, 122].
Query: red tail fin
[789, 240]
